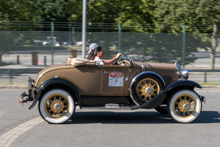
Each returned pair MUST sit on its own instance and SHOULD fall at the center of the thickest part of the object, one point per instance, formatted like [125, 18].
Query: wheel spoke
[184, 105]
[56, 106]
[148, 88]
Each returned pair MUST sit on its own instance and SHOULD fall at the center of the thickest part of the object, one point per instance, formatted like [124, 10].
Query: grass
[209, 83]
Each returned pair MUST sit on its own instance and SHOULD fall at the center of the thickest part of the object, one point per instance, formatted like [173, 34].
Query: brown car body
[163, 86]
[92, 80]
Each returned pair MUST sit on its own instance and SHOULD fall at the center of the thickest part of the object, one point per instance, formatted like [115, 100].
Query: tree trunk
[214, 45]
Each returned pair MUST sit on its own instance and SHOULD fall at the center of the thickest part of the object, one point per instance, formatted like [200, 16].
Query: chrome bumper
[30, 96]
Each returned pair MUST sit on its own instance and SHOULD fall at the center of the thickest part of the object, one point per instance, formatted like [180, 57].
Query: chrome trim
[143, 67]
[185, 74]
[148, 90]
[105, 72]
[31, 89]
[179, 68]
[141, 74]
[182, 74]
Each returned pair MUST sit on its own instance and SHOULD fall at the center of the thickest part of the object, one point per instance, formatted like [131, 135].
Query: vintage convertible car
[84, 83]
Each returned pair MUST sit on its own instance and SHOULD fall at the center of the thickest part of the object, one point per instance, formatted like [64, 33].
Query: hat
[92, 46]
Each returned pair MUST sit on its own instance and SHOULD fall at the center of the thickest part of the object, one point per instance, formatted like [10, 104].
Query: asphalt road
[94, 128]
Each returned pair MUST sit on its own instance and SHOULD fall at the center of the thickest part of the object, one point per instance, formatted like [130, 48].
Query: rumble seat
[81, 62]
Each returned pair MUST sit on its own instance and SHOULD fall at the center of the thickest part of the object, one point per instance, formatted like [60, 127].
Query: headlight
[185, 74]
[182, 74]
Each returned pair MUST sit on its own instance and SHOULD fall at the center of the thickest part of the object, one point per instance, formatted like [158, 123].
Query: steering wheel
[116, 60]
[126, 62]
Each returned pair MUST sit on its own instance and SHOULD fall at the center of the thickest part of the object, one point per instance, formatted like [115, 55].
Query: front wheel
[146, 88]
[184, 106]
[57, 106]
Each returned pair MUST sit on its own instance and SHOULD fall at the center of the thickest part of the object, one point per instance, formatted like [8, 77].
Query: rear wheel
[184, 106]
[57, 106]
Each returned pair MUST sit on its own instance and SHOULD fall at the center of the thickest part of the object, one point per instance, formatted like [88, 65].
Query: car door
[88, 80]
[114, 79]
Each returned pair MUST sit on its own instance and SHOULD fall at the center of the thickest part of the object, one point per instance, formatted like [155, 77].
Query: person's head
[97, 52]
[92, 47]
[100, 52]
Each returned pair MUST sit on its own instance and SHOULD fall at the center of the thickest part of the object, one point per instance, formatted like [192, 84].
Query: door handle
[105, 72]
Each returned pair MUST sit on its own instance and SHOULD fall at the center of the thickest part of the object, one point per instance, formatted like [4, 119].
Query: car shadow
[136, 118]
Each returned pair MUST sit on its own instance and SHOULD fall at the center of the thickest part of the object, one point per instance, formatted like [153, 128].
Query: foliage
[188, 12]
[193, 14]
[144, 16]
[130, 14]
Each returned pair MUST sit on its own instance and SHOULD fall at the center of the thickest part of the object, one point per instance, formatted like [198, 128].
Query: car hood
[156, 66]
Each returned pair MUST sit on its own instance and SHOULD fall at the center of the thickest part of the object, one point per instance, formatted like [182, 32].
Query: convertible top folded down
[81, 62]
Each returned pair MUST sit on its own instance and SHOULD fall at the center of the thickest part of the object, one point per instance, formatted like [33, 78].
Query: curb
[13, 87]
[210, 86]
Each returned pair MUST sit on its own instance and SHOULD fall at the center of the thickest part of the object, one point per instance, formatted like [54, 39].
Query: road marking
[9, 137]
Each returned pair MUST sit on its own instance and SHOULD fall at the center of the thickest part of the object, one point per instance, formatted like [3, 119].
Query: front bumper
[30, 96]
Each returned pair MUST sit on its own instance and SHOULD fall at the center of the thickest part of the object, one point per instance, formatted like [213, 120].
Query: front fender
[50, 82]
[147, 73]
[156, 101]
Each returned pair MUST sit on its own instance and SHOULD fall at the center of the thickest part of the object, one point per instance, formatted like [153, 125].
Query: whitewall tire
[184, 106]
[57, 106]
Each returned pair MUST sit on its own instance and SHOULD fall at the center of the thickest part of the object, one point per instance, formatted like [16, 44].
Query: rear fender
[58, 81]
[156, 101]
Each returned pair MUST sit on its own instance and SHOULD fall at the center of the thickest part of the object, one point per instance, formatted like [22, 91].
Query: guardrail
[205, 71]
[9, 74]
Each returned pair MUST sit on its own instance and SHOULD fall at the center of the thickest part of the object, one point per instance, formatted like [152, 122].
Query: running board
[110, 106]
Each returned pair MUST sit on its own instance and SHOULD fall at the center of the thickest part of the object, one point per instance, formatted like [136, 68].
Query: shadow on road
[136, 118]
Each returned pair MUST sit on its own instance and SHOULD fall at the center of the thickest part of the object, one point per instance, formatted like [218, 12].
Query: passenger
[91, 48]
[98, 53]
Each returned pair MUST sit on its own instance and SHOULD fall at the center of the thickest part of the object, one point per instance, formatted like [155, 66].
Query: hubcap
[185, 105]
[147, 89]
[56, 106]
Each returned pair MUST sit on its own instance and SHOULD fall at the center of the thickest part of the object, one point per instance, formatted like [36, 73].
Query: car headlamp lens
[185, 74]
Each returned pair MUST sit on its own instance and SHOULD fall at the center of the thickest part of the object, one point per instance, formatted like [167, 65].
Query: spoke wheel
[57, 106]
[185, 106]
[145, 89]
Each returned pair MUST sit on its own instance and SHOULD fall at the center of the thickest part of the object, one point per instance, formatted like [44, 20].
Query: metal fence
[26, 50]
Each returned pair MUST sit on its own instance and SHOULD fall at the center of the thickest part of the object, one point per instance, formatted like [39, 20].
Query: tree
[20, 10]
[130, 14]
[191, 13]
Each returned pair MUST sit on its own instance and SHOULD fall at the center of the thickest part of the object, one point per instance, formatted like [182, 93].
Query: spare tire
[146, 88]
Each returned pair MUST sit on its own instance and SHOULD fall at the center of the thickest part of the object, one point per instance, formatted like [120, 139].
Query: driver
[98, 53]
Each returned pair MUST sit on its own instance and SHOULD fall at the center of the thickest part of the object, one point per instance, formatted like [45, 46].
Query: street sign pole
[84, 30]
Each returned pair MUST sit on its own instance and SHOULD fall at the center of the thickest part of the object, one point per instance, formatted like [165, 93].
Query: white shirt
[98, 59]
